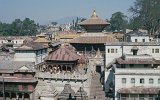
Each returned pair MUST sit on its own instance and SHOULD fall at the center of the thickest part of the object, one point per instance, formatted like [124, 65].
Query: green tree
[148, 12]
[118, 21]
[18, 28]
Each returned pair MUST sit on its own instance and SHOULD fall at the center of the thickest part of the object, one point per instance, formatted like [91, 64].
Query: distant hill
[67, 19]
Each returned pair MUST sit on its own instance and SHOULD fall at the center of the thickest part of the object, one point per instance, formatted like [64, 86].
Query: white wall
[30, 56]
[33, 56]
[127, 50]
[147, 74]
[111, 56]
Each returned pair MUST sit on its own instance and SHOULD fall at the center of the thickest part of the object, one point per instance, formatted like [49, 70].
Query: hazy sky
[44, 11]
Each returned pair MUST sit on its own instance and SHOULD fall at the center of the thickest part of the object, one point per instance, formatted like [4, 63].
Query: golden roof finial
[94, 15]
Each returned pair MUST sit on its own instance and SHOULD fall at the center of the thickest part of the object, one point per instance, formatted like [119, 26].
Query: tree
[19, 28]
[118, 21]
[148, 12]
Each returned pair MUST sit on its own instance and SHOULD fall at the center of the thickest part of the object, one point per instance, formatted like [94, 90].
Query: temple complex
[62, 66]
[94, 37]
[41, 38]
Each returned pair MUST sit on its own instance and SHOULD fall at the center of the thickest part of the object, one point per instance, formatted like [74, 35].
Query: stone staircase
[96, 89]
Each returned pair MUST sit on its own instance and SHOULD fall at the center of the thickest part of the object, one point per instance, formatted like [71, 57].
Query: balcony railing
[62, 76]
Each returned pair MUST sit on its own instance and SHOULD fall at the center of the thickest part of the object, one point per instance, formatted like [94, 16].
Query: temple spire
[94, 15]
[98, 54]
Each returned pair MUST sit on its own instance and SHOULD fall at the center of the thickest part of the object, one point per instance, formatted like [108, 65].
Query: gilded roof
[94, 20]
[42, 40]
[93, 39]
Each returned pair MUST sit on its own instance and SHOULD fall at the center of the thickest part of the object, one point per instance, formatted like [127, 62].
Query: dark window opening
[135, 52]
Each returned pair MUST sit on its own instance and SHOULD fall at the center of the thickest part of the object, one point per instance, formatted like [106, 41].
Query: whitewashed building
[15, 41]
[138, 36]
[133, 70]
[31, 51]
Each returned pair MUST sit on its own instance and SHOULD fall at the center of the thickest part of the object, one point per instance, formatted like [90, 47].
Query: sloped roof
[31, 46]
[67, 92]
[137, 33]
[139, 90]
[93, 39]
[62, 54]
[11, 66]
[136, 61]
[42, 40]
[94, 20]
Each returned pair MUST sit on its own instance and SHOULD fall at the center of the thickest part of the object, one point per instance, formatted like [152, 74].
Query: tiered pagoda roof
[94, 23]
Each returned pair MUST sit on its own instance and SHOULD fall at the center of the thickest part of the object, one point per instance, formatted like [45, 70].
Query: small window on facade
[159, 81]
[16, 41]
[136, 40]
[151, 81]
[0, 74]
[145, 65]
[143, 40]
[123, 80]
[156, 50]
[116, 51]
[108, 50]
[11, 74]
[152, 50]
[142, 80]
[132, 80]
[112, 50]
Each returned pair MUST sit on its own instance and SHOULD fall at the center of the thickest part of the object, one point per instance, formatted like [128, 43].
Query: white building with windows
[133, 69]
[16, 41]
[31, 51]
[137, 36]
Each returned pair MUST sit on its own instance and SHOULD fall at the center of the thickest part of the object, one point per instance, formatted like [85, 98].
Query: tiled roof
[11, 66]
[31, 46]
[139, 90]
[93, 39]
[62, 54]
[137, 61]
[137, 33]
[42, 40]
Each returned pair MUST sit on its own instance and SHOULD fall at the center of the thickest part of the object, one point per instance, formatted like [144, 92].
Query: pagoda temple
[94, 37]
